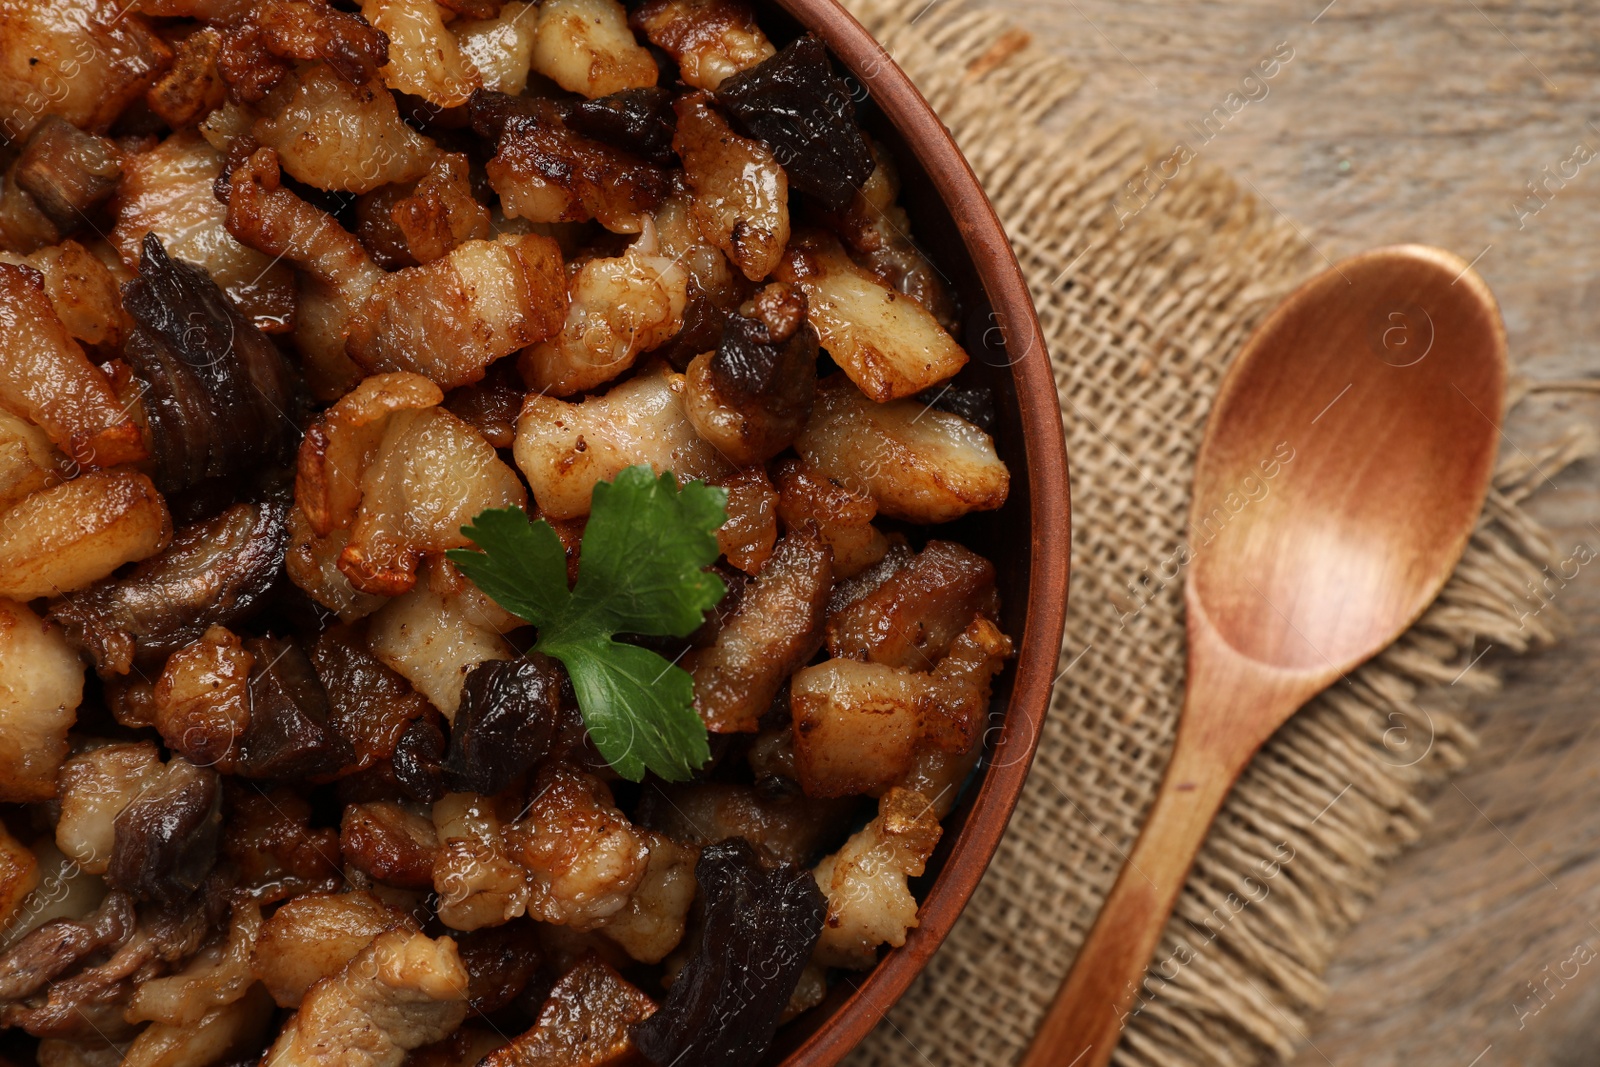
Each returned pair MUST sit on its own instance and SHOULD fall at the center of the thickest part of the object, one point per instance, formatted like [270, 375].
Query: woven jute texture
[1142, 308]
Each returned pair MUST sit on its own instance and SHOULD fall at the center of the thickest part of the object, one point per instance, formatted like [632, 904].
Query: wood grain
[1425, 122]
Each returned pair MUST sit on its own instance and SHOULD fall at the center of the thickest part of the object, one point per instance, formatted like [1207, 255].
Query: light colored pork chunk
[340, 135]
[451, 318]
[41, 685]
[314, 936]
[585, 47]
[710, 39]
[403, 991]
[888, 343]
[865, 881]
[740, 193]
[620, 307]
[169, 191]
[584, 859]
[919, 464]
[425, 58]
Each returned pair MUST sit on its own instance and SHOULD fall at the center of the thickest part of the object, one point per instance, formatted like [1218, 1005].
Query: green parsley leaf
[641, 570]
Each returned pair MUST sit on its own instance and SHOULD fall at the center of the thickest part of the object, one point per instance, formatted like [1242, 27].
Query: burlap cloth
[1141, 321]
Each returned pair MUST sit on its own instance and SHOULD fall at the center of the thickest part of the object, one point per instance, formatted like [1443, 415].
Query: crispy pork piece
[340, 135]
[46, 378]
[41, 686]
[889, 344]
[71, 535]
[585, 47]
[168, 190]
[403, 991]
[583, 857]
[337, 271]
[917, 463]
[451, 318]
[710, 39]
[479, 882]
[564, 448]
[859, 727]
[620, 308]
[912, 619]
[740, 194]
[81, 60]
[865, 881]
[587, 1021]
[842, 517]
[425, 58]
[776, 629]
[313, 936]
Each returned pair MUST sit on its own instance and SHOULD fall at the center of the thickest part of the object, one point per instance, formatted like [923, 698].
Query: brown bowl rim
[1044, 447]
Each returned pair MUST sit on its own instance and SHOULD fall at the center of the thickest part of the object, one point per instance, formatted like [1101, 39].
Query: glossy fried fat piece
[760, 928]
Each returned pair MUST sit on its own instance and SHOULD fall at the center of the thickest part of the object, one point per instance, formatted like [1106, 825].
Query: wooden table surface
[1426, 121]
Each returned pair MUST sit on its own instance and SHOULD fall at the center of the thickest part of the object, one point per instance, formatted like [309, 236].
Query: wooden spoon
[1343, 468]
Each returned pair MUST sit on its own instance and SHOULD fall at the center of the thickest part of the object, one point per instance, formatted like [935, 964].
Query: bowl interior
[1026, 539]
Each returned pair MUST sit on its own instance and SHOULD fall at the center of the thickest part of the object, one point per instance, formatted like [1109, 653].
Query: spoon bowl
[1344, 466]
[1382, 421]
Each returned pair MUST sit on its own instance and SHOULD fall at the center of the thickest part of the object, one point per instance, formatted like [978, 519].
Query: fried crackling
[479, 882]
[402, 991]
[652, 923]
[500, 47]
[339, 134]
[869, 903]
[81, 60]
[313, 936]
[776, 629]
[46, 378]
[41, 685]
[564, 448]
[234, 1029]
[740, 194]
[19, 876]
[219, 974]
[782, 824]
[202, 699]
[337, 271]
[451, 318]
[438, 632]
[441, 212]
[169, 191]
[585, 47]
[28, 461]
[545, 172]
[71, 535]
[276, 851]
[858, 727]
[585, 1022]
[192, 87]
[919, 464]
[620, 308]
[710, 39]
[914, 616]
[312, 563]
[81, 288]
[339, 447]
[842, 517]
[430, 476]
[425, 58]
[888, 343]
[583, 857]
[748, 536]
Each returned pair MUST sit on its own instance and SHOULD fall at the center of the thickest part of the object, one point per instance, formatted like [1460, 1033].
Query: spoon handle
[1096, 1000]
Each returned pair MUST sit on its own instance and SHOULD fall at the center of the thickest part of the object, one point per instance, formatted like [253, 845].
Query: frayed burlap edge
[1145, 290]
